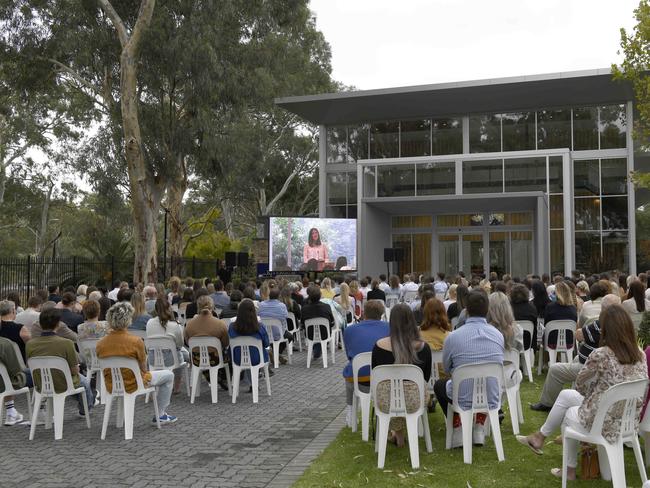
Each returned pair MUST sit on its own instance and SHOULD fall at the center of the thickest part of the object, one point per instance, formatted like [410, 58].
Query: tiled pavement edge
[297, 466]
[211, 445]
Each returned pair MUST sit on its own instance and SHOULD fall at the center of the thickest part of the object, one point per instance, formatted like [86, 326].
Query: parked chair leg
[195, 382]
[214, 385]
[107, 415]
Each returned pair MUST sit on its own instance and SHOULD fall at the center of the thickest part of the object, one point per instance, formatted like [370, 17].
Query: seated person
[92, 328]
[62, 330]
[375, 292]
[230, 311]
[618, 360]
[18, 377]
[70, 316]
[246, 324]
[11, 330]
[402, 346]
[140, 315]
[358, 338]
[120, 343]
[314, 308]
[220, 297]
[49, 344]
[475, 342]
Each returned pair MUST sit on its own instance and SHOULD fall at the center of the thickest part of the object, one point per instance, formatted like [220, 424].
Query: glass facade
[485, 176]
[436, 178]
[341, 195]
[447, 136]
[415, 138]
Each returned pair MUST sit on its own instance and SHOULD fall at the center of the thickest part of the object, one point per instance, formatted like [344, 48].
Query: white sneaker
[478, 435]
[13, 417]
[457, 438]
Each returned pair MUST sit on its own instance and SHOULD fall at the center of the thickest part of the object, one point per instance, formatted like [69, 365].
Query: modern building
[514, 175]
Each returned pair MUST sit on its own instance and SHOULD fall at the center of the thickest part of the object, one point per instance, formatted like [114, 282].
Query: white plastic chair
[636, 319]
[361, 399]
[397, 374]
[511, 383]
[610, 455]
[126, 408]
[324, 340]
[528, 354]
[156, 347]
[182, 316]
[10, 391]
[45, 366]
[295, 329]
[410, 295]
[561, 346]
[392, 299]
[88, 350]
[245, 344]
[142, 334]
[269, 325]
[436, 358]
[19, 356]
[479, 373]
[203, 344]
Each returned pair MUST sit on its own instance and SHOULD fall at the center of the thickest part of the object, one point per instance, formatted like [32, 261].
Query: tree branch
[81, 80]
[144, 19]
[117, 21]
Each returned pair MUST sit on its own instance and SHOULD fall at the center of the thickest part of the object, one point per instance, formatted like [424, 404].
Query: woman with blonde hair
[500, 316]
[264, 291]
[140, 315]
[174, 295]
[355, 292]
[326, 290]
[346, 301]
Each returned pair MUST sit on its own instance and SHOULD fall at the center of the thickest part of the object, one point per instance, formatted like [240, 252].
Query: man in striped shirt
[561, 373]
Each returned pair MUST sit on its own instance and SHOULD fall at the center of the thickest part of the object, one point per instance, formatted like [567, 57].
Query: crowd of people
[470, 319]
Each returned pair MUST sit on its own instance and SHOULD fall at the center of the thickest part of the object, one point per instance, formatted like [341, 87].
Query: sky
[389, 43]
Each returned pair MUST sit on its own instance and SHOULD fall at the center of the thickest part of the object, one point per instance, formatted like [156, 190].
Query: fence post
[112, 272]
[193, 266]
[29, 273]
[74, 270]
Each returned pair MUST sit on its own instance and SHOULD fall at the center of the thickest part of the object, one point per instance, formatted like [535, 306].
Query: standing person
[49, 344]
[475, 342]
[11, 330]
[359, 338]
[618, 360]
[402, 346]
[314, 249]
[120, 343]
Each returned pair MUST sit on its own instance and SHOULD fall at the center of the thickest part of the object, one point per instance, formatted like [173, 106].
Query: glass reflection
[336, 188]
[555, 178]
[337, 147]
[616, 251]
[613, 175]
[615, 213]
[518, 131]
[483, 176]
[554, 128]
[447, 136]
[436, 178]
[613, 127]
[525, 174]
[357, 143]
[485, 133]
[586, 177]
[396, 181]
[585, 128]
[588, 252]
[415, 137]
[587, 213]
[384, 140]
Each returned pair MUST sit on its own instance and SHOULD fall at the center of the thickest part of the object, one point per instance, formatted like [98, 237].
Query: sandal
[522, 439]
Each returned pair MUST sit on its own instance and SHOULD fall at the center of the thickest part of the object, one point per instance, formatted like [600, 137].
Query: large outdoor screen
[311, 244]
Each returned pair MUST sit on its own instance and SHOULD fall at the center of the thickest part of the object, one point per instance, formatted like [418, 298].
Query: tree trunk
[175, 193]
[45, 218]
[227, 210]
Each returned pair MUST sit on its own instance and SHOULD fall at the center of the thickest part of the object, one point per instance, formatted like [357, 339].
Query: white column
[631, 203]
[322, 175]
[567, 201]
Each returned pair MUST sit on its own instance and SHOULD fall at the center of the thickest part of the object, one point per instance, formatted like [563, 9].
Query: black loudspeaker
[231, 259]
[389, 255]
[242, 259]
[398, 254]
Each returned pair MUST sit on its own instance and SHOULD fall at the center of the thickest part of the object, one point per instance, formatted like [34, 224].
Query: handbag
[589, 467]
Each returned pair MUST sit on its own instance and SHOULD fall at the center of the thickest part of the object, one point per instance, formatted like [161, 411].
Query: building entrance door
[472, 254]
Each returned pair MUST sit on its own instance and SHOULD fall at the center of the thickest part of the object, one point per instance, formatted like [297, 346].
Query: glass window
[521, 245]
[384, 140]
[518, 131]
[497, 219]
[485, 133]
[471, 220]
[556, 211]
[352, 212]
[448, 254]
[472, 249]
[422, 253]
[415, 138]
[557, 251]
[447, 220]
[403, 241]
[357, 143]
[615, 251]
[483, 176]
[555, 178]
[519, 218]
[615, 213]
[525, 174]
[587, 213]
[588, 252]
[499, 252]
[335, 212]
[613, 127]
[586, 177]
[396, 181]
[369, 181]
[585, 128]
[336, 188]
[402, 222]
[337, 147]
[613, 175]
[447, 136]
[421, 221]
[554, 128]
[436, 178]
[352, 188]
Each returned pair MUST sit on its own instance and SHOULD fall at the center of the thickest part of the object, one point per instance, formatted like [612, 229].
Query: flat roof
[464, 97]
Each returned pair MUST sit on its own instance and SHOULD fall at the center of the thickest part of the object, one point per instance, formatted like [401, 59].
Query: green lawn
[349, 461]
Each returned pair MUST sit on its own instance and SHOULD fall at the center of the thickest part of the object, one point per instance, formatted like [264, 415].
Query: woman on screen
[314, 249]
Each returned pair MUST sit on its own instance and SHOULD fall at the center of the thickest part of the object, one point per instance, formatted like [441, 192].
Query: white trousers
[163, 380]
[565, 410]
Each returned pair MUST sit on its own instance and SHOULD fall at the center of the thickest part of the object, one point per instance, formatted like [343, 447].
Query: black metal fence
[29, 274]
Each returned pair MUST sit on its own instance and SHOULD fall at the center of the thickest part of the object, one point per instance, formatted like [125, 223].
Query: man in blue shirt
[475, 342]
[362, 338]
[220, 297]
[273, 308]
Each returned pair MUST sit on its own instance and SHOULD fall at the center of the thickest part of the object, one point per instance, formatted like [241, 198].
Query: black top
[295, 310]
[190, 311]
[298, 298]
[377, 295]
[11, 331]
[526, 311]
[555, 311]
[230, 311]
[453, 311]
[54, 298]
[316, 310]
[381, 356]
[71, 319]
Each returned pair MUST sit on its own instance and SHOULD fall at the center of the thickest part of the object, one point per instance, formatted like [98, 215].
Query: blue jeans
[83, 381]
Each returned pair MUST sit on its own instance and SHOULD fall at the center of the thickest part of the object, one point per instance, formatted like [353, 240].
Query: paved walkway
[220, 445]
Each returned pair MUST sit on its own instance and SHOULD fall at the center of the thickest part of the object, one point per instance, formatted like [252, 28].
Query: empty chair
[243, 346]
[156, 347]
[10, 391]
[528, 354]
[479, 374]
[116, 367]
[319, 329]
[271, 323]
[360, 398]
[203, 345]
[397, 375]
[563, 344]
[45, 367]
